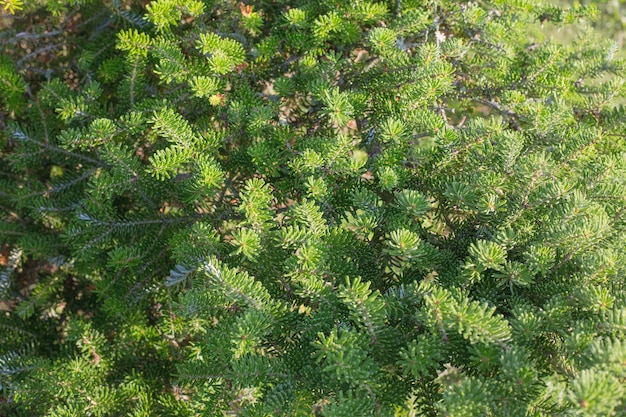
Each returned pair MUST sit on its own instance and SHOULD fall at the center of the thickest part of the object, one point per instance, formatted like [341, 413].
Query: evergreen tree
[331, 208]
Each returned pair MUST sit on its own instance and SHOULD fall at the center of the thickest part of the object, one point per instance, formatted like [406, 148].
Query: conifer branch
[22, 137]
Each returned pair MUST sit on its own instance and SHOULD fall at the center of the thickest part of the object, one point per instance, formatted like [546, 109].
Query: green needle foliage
[310, 208]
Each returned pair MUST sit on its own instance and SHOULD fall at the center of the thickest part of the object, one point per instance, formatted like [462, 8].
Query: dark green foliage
[330, 208]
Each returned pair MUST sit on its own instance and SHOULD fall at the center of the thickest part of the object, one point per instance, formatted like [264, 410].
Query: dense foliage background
[333, 208]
